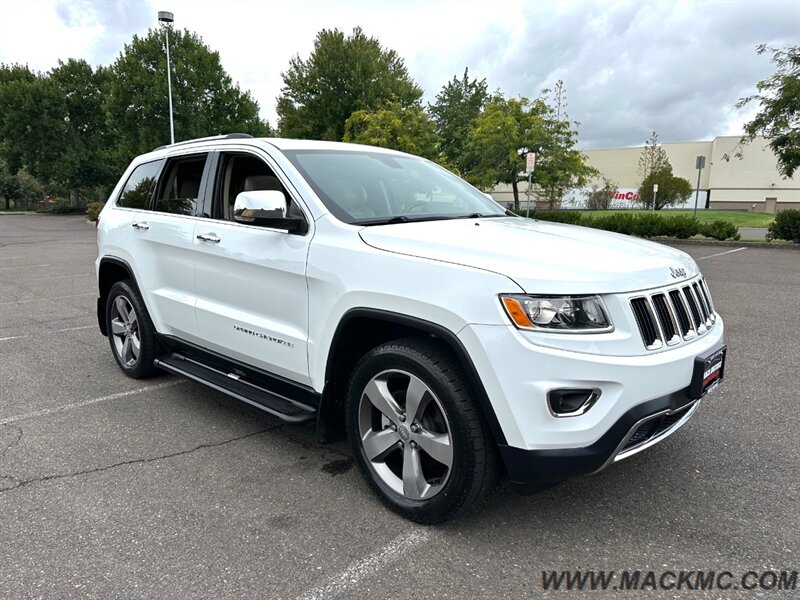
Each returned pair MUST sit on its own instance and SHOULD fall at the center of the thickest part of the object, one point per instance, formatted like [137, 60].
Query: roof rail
[229, 136]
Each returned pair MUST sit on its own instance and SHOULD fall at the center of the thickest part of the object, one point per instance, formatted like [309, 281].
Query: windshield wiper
[477, 215]
[389, 221]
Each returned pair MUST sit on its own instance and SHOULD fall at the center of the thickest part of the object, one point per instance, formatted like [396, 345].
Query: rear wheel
[416, 432]
[130, 331]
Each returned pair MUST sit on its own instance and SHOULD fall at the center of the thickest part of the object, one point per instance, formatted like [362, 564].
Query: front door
[252, 299]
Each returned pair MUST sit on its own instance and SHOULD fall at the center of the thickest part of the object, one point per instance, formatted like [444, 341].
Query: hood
[540, 256]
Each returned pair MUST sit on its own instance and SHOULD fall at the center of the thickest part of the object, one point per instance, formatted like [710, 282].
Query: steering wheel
[417, 204]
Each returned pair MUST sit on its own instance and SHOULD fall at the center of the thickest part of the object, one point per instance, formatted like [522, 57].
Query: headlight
[566, 314]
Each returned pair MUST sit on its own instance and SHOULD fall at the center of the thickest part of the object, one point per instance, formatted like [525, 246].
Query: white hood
[541, 257]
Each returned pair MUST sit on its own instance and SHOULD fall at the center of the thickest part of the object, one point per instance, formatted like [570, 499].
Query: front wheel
[416, 432]
[130, 331]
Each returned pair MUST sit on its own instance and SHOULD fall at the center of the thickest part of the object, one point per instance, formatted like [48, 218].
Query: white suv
[374, 292]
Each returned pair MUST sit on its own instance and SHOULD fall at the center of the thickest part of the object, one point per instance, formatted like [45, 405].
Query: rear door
[164, 236]
[252, 299]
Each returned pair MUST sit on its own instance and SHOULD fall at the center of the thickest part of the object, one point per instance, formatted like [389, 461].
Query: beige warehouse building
[751, 183]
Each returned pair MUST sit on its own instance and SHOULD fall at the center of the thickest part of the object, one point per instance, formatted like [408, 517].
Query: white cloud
[629, 68]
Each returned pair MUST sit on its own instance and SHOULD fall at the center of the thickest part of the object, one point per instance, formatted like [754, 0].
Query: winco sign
[625, 198]
[630, 195]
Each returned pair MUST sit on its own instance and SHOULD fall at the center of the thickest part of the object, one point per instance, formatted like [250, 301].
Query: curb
[728, 243]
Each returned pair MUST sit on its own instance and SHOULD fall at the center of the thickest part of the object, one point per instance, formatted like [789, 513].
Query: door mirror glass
[261, 204]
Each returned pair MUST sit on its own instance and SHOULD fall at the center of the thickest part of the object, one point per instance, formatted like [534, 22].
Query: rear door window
[181, 185]
[138, 189]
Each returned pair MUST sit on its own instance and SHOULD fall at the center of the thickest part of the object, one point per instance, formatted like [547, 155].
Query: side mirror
[267, 208]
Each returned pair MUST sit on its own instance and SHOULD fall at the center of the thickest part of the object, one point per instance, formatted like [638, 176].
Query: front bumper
[541, 448]
[639, 428]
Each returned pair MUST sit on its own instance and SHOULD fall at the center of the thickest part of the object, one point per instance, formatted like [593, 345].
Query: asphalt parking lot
[113, 488]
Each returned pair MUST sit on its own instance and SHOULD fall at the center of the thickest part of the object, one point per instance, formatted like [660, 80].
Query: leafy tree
[405, 129]
[653, 157]
[55, 126]
[601, 197]
[32, 122]
[205, 99]
[9, 186]
[671, 190]
[455, 110]
[507, 130]
[341, 76]
[86, 146]
[563, 166]
[778, 119]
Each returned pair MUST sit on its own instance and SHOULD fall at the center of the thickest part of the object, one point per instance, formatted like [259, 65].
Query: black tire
[474, 468]
[138, 365]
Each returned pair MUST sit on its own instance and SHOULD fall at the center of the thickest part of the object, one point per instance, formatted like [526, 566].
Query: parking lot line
[721, 253]
[53, 298]
[19, 337]
[24, 267]
[61, 277]
[65, 407]
[368, 566]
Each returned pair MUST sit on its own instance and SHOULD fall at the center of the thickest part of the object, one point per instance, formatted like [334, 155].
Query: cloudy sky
[629, 67]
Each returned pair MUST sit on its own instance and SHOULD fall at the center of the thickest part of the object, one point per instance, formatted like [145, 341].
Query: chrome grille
[670, 316]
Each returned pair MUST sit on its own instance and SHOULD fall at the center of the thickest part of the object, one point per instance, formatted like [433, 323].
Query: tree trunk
[516, 194]
[73, 198]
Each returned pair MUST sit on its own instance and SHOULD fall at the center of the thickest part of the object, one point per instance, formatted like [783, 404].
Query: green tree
[457, 106]
[341, 76]
[778, 119]
[653, 157]
[205, 99]
[601, 197]
[562, 167]
[507, 130]
[405, 129]
[86, 146]
[671, 190]
[33, 121]
[55, 126]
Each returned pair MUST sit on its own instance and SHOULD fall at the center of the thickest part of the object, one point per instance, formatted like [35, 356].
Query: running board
[285, 409]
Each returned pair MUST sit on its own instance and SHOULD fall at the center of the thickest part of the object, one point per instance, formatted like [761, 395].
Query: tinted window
[139, 187]
[180, 185]
[372, 187]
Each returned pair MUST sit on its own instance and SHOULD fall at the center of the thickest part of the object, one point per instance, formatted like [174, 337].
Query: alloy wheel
[405, 434]
[125, 331]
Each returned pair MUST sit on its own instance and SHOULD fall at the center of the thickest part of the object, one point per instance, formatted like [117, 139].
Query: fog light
[571, 402]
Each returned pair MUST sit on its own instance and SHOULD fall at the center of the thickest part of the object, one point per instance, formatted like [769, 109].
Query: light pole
[166, 19]
[655, 193]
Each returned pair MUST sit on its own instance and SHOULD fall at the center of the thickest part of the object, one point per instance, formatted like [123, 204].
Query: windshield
[372, 188]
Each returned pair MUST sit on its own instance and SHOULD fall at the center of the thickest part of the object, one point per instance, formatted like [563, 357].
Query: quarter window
[139, 188]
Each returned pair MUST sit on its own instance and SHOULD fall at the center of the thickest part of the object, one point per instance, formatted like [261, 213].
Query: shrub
[786, 226]
[649, 224]
[93, 209]
[618, 223]
[60, 209]
[573, 217]
[720, 230]
[683, 227]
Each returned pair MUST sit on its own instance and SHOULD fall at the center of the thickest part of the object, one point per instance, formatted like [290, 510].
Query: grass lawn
[739, 218]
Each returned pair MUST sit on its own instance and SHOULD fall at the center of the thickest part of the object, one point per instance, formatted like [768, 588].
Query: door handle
[209, 237]
[139, 225]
